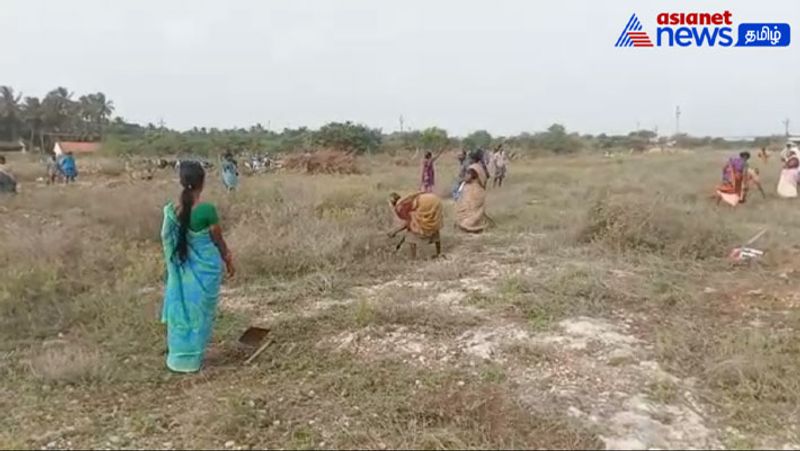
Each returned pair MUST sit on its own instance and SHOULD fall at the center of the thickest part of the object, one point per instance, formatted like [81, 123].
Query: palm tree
[86, 115]
[33, 116]
[103, 107]
[59, 106]
[10, 110]
[59, 112]
[94, 111]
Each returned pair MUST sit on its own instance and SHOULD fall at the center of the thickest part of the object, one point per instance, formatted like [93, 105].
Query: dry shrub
[388, 404]
[634, 225]
[756, 366]
[290, 231]
[752, 374]
[445, 270]
[263, 249]
[130, 211]
[572, 291]
[66, 264]
[310, 244]
[62, 362]
[323, 162]
[488, 414]
[26, 169]
[109, 167]
[112, 168]
[435, 320]
[401, 162]
[50, 277]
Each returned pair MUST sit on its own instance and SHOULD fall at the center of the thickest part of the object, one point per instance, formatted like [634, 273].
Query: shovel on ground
[252, 337]
[745, 252]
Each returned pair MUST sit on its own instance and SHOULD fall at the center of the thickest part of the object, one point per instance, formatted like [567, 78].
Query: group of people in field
[420, 215]
[738, 177]
[61, 168]
[197, 256]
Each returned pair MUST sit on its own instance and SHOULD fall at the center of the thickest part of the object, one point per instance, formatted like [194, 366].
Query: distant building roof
[77, 147]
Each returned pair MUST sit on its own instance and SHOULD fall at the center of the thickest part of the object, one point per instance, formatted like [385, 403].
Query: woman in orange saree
[421, 216]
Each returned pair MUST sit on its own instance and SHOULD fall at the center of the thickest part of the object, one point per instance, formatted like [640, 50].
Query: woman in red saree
[429, 172]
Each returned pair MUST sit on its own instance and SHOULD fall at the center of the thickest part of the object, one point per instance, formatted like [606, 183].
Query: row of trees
[62, 115]
[134, 139]
[58, 115]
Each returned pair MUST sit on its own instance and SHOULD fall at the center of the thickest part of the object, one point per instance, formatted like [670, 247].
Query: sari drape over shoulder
[732, 189]
[790, 174]
[230, 175]
[190, 295]
[423, 212]
[471, 204]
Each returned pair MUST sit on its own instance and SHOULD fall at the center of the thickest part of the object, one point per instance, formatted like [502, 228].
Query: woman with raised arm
[429, 172]
[194, 253]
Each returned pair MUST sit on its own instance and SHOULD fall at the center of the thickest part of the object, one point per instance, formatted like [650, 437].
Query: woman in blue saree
[68, 167]
[230, 172]
[194, 252]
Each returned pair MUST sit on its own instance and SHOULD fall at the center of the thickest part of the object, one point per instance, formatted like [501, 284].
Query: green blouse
[204, 215]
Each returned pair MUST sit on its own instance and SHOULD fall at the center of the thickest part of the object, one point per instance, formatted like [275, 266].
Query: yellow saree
[423, 213]
[471, 205]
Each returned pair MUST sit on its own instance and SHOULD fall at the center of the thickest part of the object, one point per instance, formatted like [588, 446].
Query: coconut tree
[59, 112]
[94, 111]
[103, 107]
[33, 116]
[84, 122]
[10, 111]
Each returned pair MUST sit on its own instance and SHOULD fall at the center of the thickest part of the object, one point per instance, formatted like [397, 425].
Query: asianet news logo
[704, 30]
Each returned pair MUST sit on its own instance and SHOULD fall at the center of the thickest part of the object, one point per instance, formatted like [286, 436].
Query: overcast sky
[502, 65]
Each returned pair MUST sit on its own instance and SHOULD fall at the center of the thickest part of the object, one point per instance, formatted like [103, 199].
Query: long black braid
[192, 177]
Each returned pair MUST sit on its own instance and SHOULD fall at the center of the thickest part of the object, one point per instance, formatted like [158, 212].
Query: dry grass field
[600, 312]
